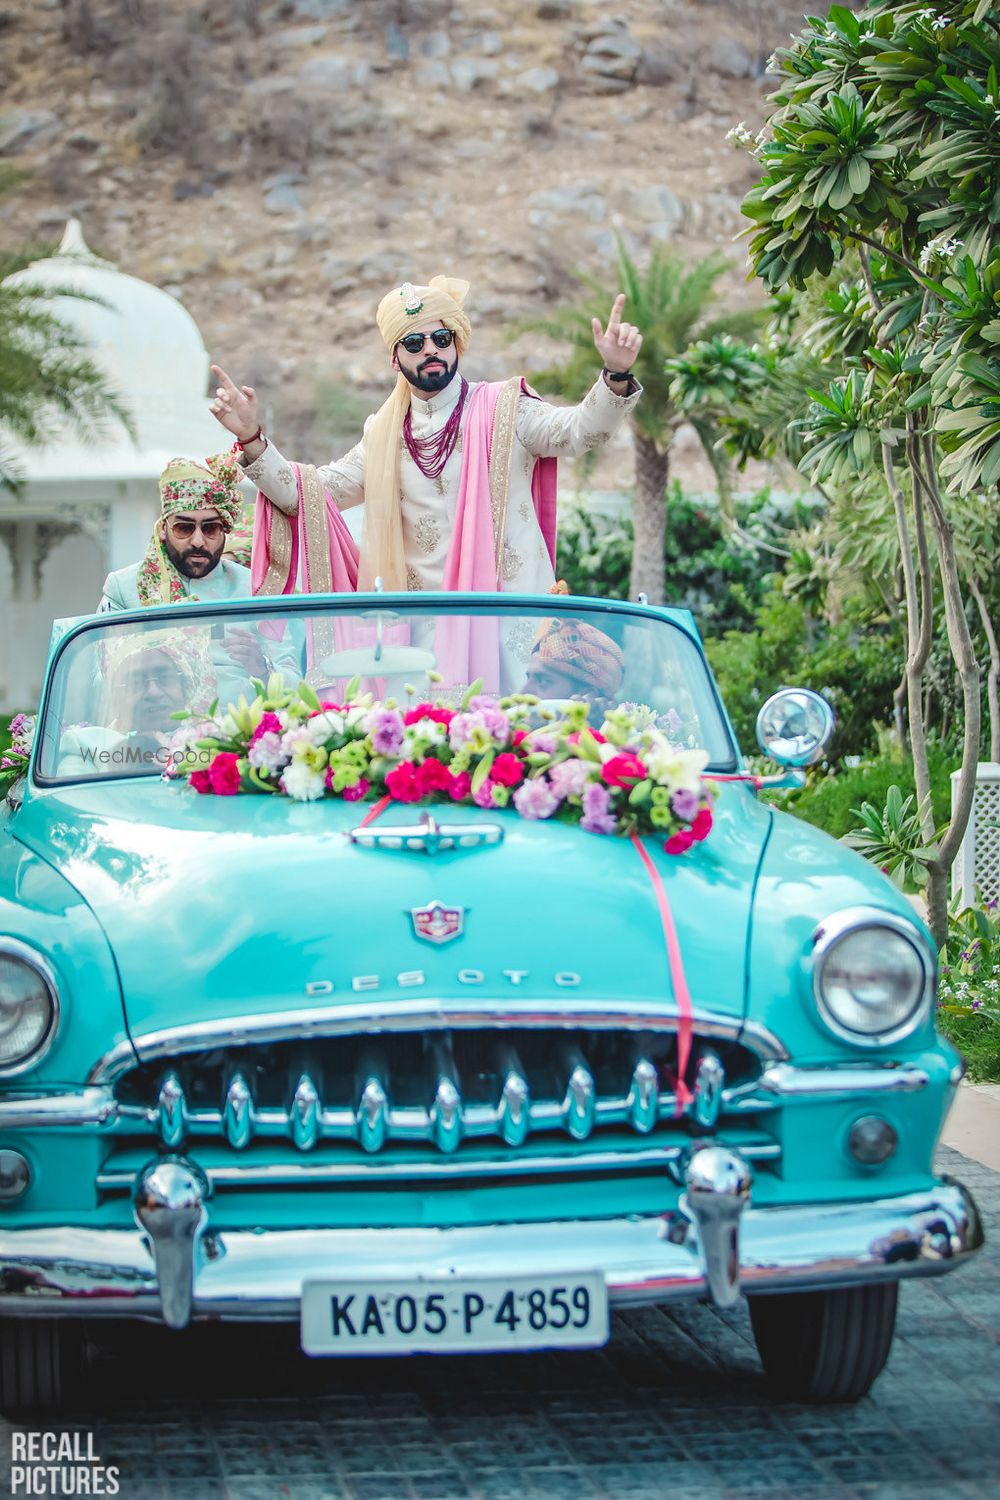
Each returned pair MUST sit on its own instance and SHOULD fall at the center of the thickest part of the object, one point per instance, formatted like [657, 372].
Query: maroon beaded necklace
[430, 454]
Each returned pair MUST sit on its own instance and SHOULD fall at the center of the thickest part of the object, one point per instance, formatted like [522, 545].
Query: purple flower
[570, 777]
[267, 753]
[385, 726]
[545, 744]
[977, 1005]
[672, 721]
[685, 803]
[479, 728]
[535, 798]
[597, 814]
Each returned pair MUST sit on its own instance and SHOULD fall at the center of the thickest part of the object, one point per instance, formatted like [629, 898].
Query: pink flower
[401, 782]
[519, 735]
[224, 774]
[429, 711]
[597, 814]
[432, 776]
[536, 799]
[507, 769]
[574, 739]
[685, 803]
[327, 708]
[483, 795]
[269, 724]
[358, 791]
[679, 842]
[701, 827]
[458, 787]
[199, 780]
[623, 770]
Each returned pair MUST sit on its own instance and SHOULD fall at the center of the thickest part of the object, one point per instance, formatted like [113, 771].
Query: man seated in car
[571, 659]
[146, 677]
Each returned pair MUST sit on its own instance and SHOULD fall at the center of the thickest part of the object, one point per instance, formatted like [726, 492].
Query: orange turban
[582, 652]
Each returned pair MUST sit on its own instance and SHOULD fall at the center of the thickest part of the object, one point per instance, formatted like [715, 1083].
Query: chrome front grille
[439, 1087]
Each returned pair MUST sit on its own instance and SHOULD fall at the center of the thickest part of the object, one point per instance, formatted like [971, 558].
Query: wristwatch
[618, 375]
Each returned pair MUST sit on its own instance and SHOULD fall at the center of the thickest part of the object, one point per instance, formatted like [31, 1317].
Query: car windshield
[117, 688]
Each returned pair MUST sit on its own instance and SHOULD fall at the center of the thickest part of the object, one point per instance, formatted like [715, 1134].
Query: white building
[89, 507]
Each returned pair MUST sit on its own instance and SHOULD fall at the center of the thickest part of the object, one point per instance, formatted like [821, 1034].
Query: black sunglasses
[210, 530]
[441, 338]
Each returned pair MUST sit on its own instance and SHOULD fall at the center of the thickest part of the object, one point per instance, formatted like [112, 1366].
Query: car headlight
[29, 1006]
[873, 975]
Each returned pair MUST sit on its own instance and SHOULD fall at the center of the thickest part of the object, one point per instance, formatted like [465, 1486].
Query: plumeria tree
[881, 157]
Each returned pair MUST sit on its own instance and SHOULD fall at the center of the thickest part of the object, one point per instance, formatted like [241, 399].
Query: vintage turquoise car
[307, 1016]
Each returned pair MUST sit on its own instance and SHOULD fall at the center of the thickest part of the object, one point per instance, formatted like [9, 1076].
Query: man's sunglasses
[210, 530]
[441, 338]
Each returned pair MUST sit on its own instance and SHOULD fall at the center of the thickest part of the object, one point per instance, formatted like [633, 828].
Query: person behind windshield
[184, 561]
[147, 676]
[571, 659]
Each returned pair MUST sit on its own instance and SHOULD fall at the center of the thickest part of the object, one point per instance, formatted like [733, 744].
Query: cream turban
[400, 310]
[409, 306]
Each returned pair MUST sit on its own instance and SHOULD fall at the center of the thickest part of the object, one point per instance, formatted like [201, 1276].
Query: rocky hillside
[278, 164]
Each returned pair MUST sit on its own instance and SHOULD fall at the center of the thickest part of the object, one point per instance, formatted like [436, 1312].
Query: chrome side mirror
[794, 727]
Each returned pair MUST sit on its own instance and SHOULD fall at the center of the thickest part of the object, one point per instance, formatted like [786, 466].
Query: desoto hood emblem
[437, 923]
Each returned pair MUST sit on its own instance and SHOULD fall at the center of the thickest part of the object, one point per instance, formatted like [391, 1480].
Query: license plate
[431, 1317]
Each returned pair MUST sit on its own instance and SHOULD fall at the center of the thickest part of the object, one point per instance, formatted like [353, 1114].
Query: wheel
[41, 1364]
[825, 1346]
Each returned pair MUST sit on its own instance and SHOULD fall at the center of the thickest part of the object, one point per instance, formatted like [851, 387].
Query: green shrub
[827, 800]
[717, 575]
[969, 989]
[855, 666]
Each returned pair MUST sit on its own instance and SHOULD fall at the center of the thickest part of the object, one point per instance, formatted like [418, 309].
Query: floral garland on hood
[14, 761]
[627, 777]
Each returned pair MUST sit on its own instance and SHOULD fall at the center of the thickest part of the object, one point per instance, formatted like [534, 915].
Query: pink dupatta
[326, 555]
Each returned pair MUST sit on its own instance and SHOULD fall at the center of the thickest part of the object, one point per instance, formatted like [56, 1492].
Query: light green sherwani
[228, 580]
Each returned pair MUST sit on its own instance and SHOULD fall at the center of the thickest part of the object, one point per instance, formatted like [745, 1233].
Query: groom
[457, 479]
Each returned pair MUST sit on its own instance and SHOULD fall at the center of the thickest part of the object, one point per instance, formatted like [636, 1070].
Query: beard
[182, 560]
[433, 380]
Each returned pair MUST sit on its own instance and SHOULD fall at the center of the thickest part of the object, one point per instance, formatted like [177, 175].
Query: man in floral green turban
[184, 561]
[199, 506]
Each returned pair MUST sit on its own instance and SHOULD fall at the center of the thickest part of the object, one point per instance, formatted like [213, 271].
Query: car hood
[218, 907]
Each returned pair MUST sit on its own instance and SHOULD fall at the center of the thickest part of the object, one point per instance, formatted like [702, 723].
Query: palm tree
[45, 374]
[668, 302]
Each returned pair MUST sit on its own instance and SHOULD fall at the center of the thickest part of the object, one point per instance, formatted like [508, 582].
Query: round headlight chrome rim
[12, 947]
[853, 919]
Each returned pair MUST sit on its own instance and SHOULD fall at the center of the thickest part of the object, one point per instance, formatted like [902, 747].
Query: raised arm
[548, 431]
[236, 408]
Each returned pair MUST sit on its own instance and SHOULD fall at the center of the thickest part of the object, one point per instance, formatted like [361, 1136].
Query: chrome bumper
[173, 1265]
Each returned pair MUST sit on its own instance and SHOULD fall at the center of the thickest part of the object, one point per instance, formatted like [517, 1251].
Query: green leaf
[482, 771]
[307, 695]
[473, 691]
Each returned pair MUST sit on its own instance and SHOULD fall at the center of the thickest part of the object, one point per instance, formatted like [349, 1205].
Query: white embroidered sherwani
[428, 505]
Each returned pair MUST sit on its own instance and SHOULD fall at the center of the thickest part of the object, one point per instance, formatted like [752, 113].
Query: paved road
[674, 1409]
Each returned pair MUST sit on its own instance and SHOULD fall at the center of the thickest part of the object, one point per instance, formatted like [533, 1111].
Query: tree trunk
[964, 657]
[993, 675]
[649, 519]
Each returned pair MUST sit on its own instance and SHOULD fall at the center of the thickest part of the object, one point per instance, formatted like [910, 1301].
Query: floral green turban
[187, 485]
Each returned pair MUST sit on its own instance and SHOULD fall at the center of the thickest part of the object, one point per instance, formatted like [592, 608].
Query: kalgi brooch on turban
[186, 485]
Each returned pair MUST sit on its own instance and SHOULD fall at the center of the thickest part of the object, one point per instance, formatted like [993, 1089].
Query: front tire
[825, 1346]
[41, 1364]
